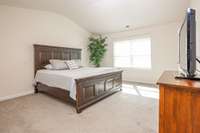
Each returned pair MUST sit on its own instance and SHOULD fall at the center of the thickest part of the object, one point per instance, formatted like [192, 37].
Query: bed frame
[88, 90]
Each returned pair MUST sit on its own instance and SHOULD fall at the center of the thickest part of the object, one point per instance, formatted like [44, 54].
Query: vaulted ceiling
[105, 16]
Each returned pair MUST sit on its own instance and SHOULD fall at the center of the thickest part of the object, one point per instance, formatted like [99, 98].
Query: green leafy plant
[97, 49]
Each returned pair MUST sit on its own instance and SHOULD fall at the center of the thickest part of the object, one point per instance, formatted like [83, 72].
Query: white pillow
[48, 67]
[58, 64]
[72, 64]
[78, 62]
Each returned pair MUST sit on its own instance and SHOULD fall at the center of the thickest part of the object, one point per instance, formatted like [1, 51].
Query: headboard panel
[43, 53]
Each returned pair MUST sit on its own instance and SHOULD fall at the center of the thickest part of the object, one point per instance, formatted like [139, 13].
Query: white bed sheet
[65, 79]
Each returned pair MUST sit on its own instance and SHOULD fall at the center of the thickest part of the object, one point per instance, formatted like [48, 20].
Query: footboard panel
[92, 89]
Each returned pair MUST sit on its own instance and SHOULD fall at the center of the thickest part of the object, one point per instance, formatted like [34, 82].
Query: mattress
[65, 79]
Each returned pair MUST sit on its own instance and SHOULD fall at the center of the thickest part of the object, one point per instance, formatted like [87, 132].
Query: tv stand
[179, 104]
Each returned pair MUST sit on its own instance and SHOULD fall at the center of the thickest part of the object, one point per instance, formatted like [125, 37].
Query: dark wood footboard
[88, 90]
[92, 89]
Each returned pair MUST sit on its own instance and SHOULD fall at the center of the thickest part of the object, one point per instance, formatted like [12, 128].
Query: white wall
[19, 30]
[164, 39]
[196, 5]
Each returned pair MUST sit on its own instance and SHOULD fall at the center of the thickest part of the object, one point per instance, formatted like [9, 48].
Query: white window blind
[134, 53]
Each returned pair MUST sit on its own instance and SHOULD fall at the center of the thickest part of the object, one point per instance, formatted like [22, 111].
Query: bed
[82, 87]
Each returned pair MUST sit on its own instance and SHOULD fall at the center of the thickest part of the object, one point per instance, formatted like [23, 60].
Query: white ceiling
[105, 16]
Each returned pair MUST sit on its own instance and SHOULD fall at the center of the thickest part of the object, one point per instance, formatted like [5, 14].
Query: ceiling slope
[106, 16]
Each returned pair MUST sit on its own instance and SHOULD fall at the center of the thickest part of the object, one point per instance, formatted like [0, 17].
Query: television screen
[187, 44]
[183, 46]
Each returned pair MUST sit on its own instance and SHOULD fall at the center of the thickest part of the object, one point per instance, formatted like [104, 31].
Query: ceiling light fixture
[127, 26]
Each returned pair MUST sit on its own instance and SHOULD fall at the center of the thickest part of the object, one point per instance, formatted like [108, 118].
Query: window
[134, 53]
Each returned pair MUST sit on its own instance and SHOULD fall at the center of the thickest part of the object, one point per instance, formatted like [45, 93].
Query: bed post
[121, 82]
[78, 110]
[35, 87]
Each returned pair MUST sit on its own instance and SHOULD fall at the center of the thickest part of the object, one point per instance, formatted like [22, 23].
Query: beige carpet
[124, 112]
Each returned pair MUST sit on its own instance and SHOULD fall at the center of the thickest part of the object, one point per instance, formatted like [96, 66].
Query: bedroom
[66, 24]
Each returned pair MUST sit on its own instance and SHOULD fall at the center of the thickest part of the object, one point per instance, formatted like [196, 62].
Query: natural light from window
[134, 53]
[139, 90]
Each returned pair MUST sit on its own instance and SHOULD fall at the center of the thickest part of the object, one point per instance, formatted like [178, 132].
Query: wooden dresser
[179, 104]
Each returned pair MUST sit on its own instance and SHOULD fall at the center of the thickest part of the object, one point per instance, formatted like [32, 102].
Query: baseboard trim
[16, 95]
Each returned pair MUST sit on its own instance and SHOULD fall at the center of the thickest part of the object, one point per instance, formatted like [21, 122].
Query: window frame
[130, 39]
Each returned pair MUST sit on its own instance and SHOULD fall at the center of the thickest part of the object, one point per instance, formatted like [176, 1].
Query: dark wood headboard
[43, 53]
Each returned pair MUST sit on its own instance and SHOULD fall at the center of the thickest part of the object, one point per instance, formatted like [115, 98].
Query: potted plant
[97, 49]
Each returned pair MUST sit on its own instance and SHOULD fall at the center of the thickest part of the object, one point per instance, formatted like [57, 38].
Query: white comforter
[65, 79]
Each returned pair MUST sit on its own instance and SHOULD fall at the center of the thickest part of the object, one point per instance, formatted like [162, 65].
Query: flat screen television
[187, 45]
